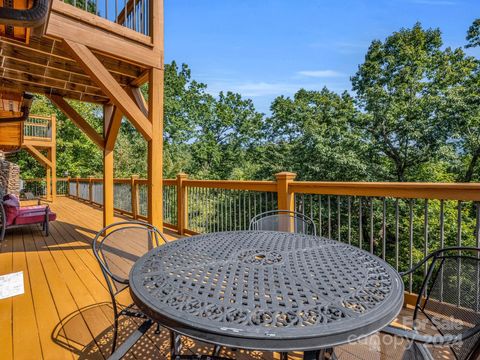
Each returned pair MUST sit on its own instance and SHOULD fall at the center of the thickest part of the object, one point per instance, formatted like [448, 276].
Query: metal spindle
[425, 235]
[339, 219]
[329, 217]
[410, 280]
[384, 229]
[349, 220]
[477, 237]
[371, 225]
[442, 242]
[459, 243]
[320, 214]
[360, 222]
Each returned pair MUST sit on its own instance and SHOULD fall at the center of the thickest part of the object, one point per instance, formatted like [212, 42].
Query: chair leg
[284, 356]
[175, 344]
[115, 334]
[2, 233]
[216, 350]
[157, 330]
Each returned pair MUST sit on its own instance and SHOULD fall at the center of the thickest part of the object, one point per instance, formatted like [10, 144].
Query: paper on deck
[11, 285]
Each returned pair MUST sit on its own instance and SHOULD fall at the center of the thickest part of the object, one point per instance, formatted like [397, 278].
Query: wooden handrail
[269, 186]
[437, 191]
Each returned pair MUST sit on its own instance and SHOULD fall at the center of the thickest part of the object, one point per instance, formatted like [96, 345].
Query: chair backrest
[283, 220]
[451, 297]
[119, 245]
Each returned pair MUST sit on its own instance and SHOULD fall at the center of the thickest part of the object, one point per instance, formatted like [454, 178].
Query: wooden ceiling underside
[44, 67]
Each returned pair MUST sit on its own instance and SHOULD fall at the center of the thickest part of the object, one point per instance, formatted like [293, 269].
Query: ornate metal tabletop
[267, 290]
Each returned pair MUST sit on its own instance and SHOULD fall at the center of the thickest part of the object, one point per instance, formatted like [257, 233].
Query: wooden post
[108, 185]
[155, 117]
[77, 193]
[52, 156]
[134, 195]
[182, 203]
[286, 198]
[90, 189]
[48, 185]
[155, 149]
[68, 185]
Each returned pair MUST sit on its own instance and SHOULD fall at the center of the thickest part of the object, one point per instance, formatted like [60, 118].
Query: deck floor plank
[6, 305]
[24, 319]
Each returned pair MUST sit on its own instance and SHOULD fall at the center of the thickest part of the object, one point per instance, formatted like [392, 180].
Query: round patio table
[265, 290]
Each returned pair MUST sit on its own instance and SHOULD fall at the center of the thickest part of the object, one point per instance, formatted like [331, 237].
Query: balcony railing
[38, 128]
[133, 14]
[400, 222]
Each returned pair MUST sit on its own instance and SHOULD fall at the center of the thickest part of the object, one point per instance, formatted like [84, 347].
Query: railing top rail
[233, 184]
[40, 117]
[445, 191]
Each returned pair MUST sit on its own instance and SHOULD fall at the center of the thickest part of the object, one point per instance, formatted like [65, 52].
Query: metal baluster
[410, 280]
[425, 235]
[329, 217]
[311, 208]
[116, 11]
[397, 232]
[349, 220]
[244, 211]
[459, 243]
[384, 229]
[134, 16]
[360, 222]
[371, 224]
[320, 214]
[339, 219]
[249, 207]
[477, 236]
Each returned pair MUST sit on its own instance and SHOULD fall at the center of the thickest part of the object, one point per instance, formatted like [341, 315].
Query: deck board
[66, 311]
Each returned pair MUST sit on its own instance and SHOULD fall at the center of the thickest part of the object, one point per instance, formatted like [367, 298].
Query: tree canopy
[413, 115]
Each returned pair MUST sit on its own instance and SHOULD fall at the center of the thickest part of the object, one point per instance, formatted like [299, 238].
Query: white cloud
[320, 73]
[268, 89]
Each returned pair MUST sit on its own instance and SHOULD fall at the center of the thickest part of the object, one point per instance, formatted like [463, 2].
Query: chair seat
[32, 208]
[33, 217]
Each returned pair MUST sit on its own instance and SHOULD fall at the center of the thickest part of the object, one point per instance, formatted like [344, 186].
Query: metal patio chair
[116, 248]
[446, 315]
[282, 220]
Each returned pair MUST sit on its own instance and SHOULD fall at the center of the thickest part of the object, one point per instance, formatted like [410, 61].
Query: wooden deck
[66, 312]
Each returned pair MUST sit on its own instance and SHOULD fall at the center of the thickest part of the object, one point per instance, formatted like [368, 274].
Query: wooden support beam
[91, 65]
[52, 156]
[142, 79]
[113, 128]
[155, 149]
[78, 120]
[38, 155]
[137, 96]
[108, 184]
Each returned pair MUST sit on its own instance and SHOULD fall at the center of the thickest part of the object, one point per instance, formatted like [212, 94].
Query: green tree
[473, 34]
[399, 87]
[226, 133]
[313, 135]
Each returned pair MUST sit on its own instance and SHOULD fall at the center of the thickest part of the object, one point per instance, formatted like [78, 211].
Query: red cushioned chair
[12, 215]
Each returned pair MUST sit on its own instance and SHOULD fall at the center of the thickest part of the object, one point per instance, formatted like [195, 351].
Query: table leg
[324, 354]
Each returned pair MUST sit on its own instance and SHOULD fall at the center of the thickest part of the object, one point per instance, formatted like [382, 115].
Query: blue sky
[266, 48]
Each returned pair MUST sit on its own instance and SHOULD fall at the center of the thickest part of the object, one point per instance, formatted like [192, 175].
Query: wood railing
[400, 222]
[38, 128]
